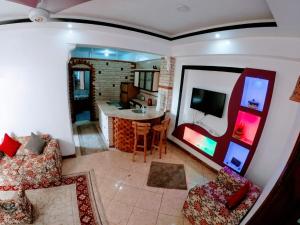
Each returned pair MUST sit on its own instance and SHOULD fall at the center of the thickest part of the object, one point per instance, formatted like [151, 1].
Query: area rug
[73, 201]
[89, 139]
[167, 175]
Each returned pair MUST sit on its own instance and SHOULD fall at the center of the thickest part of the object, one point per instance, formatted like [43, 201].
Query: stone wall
[166, 82]
[108, 77]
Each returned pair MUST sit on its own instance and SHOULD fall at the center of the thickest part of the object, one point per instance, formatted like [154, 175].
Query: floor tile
[171, 206]
[149, 201]
[136, 179]
[142, 217]
[108, 187]
[175, 193]
[118, 213]
[169, 220]
[128, 194]
[186, 222]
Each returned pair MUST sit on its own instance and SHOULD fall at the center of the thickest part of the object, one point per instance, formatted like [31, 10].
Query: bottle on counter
[149, 102]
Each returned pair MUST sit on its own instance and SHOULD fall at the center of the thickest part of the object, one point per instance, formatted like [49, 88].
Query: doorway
[81, 98]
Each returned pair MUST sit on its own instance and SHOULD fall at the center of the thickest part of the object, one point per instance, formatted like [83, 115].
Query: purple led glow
[255, 88]
[236, 156]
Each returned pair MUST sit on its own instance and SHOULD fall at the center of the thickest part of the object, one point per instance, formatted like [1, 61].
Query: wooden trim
[69, 156]
[165, 37]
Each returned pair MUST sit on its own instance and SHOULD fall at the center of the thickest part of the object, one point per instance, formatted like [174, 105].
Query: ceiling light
[106, 52]
[183, 8]
[70, 25]
[217, 35]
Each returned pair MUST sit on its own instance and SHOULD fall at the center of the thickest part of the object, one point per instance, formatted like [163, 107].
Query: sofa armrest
[52, 153]
[241, 210]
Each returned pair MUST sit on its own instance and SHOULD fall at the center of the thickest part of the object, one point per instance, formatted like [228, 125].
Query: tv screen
[208, 102]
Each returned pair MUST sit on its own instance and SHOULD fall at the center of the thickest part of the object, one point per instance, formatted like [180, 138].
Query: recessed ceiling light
[183, 8]
[217, 35]
[70, 25]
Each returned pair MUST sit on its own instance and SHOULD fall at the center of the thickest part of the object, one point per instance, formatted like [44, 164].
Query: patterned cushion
[9, 168]
[216, 192]
[24, 140]
[230, 179]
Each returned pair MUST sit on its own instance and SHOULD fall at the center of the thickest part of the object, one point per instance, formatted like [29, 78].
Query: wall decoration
[296, 94]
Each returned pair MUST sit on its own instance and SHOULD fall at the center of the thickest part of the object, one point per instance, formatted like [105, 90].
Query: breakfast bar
[116, 124]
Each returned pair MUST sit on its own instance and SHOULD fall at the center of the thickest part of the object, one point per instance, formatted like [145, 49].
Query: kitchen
[125, 85]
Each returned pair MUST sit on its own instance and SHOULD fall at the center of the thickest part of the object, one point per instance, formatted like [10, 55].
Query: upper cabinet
[147, 79]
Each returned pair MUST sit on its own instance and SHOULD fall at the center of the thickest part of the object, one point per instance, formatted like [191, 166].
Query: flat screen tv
[208, 102]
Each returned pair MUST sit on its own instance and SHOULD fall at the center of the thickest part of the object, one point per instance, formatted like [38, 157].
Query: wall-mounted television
[208, 102]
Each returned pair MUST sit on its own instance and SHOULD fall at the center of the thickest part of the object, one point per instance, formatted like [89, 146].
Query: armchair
[206, 204]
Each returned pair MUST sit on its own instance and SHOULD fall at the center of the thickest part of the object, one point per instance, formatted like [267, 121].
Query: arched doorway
[81, 90]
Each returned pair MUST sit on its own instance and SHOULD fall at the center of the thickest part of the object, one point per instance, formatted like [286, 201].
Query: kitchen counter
[113, 111]
[116, 124]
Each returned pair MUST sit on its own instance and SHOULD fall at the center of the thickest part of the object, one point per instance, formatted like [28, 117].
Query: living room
[35, 95]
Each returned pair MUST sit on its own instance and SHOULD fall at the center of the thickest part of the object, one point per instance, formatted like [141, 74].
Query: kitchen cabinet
[128, 92]
[147, 79]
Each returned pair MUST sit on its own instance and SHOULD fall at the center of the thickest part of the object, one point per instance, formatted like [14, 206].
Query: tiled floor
[122, 185]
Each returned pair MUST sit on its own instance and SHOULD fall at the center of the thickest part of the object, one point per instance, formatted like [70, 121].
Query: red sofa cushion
[236, 198]
[9, 146]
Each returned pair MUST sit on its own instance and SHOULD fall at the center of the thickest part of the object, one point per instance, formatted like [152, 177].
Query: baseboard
[192, 156]
[69, 156]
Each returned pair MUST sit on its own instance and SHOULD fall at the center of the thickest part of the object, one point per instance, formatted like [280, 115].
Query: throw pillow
[35, 144]
[9, 146]
[236, 198]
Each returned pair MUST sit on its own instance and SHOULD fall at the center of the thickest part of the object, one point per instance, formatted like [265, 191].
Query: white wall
[283, 122]
[210, 80]
[33, 74]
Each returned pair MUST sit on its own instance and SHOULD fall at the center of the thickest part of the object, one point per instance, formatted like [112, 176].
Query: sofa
[207, 204]
[27, 168]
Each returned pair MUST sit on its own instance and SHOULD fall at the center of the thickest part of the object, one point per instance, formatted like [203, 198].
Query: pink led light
[250, 123]
[193, 137]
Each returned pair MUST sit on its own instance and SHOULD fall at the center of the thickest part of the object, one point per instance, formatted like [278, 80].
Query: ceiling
[112, 54]
[168, 17]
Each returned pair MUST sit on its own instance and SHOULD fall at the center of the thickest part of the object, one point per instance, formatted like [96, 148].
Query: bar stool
[160, 131]
[140, 130]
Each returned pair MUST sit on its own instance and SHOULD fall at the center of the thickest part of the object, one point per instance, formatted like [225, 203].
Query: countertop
[113, 111]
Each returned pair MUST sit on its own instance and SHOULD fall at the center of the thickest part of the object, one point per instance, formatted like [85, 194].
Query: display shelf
[202, 142]
[254, 93]
[252, 111]
[240, 142]
[246, 126]
[236, 156]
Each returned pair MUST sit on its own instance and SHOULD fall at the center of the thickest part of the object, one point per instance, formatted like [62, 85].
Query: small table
[18, 210]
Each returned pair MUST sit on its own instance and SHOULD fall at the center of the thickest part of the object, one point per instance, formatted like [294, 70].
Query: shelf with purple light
[202, 142]
[246, 126]
[254, 93]
[236, 156]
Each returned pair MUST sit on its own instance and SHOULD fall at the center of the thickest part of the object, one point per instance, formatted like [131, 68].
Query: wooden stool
[160, 131]
[140, 129]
